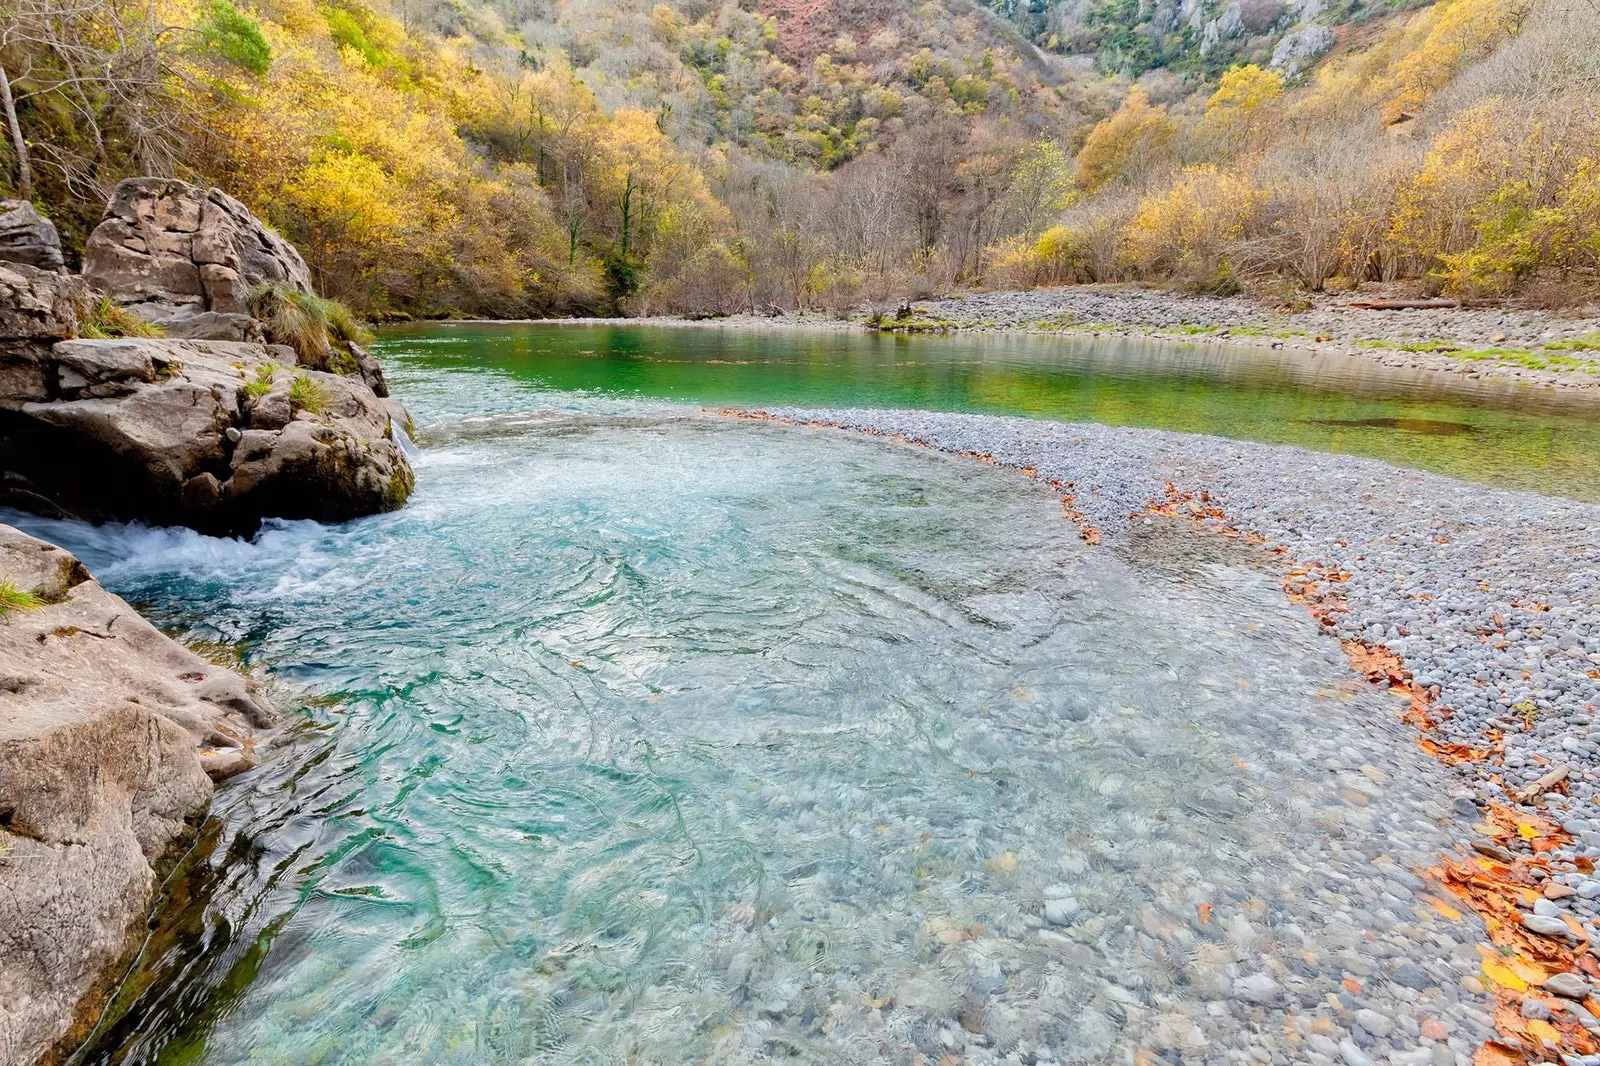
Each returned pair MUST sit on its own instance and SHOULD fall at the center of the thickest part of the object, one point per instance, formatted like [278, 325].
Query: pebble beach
[1488, 598]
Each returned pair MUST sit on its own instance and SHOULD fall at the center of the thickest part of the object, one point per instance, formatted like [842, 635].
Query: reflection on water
[653, 738]
[1430, 426]
[1520, 437]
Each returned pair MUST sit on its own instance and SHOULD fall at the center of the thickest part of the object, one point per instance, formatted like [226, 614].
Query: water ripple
[663, 739]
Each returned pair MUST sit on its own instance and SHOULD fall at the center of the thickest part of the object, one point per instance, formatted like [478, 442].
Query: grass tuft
[15, 599]
[263, 381]
[110, 320]
[308, 395]
[320, 331]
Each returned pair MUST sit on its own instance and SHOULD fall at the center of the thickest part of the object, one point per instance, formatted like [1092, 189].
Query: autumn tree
[1129, 145]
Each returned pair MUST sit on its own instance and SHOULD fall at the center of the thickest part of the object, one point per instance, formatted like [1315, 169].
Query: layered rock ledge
[211, 434]
[111, 735]
[185, 258]
[208, 426]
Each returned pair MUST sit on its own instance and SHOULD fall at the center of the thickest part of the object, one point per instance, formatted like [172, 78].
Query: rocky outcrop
[186, 258]
[37, 305]
[110, 737]
[210, 434]
[1299, 50]
[27, 238]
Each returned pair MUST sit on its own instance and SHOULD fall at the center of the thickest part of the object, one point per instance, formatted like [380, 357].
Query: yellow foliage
[1186, 232]
[1410, 61]
[1502, 194]
[1237, 105]
[1456, 31]
[1127, 143]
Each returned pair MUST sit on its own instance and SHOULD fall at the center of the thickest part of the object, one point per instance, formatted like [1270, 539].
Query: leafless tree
[112, 65]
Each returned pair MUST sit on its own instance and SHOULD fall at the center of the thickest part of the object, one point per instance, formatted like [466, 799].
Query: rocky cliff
[110, 737]
[186, 258]
[211, 433]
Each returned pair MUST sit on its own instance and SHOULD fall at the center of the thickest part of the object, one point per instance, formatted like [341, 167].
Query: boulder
[26, 237]
[111, 735]
[1299, 49]
[186, 258]
[211, 434]
[38, 305]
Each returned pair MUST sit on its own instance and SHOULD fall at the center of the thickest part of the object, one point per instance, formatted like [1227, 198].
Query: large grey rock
[110, 736]
[209, 434]
[1300, 48]
[38, 305]
[26, 237]
[186, 258]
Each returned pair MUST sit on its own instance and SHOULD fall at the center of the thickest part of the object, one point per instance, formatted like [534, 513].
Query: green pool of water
[1508, 435]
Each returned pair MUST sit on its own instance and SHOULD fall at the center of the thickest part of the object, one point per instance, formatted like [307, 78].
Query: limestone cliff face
[111, 734]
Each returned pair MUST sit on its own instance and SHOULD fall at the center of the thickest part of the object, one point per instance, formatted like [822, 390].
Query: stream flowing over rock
[111, 734]
[186, 258]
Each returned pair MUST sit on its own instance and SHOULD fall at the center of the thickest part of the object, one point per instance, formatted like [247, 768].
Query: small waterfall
[402, 438]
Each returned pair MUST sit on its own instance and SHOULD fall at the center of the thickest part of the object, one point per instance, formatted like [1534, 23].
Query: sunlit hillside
[528, 158]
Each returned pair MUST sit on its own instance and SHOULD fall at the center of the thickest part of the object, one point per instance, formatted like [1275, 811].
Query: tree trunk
[24, 171]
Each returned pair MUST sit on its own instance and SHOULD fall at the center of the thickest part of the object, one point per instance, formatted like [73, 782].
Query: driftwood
[1543, 785]
[1415, 305]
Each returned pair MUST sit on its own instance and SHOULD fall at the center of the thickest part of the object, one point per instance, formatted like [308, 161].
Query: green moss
[917, 325]
[1588, 343]
[400, 485]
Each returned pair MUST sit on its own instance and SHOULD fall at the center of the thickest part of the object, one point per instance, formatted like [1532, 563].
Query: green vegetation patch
[109, 320]
[306, 394]
[15, 599]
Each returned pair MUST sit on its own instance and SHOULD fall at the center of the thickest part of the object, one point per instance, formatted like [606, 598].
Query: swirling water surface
[641, 735]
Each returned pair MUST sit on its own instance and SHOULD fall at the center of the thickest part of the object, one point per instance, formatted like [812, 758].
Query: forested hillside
[528, 157]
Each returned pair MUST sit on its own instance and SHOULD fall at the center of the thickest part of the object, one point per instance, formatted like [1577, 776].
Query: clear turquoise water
[641, 736]
[1512, 436]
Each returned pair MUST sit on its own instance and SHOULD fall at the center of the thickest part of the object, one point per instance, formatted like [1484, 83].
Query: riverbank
[1476, 606]
[111, 735]
[1524, 345]
[1533, 346]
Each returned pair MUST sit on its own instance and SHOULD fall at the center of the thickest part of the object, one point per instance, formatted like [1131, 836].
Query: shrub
[1129, 144]
[110, 319]
[235, 36]
[308, 395]
[1188, 231]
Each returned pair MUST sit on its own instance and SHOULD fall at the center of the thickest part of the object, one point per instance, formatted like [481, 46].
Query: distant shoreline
[1526, 346]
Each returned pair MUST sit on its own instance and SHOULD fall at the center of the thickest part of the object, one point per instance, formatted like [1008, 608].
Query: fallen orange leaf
[1503, 976]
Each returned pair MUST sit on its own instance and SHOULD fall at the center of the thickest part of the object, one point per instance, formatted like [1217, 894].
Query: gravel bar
[1492, 597]
[1526, 345]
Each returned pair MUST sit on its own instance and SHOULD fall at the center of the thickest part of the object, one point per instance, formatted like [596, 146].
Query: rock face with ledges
[111, 734]
[27, 238]
[37, 305]
[211, 434]
[186, 258]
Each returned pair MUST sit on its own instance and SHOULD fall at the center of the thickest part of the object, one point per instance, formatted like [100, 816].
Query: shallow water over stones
[646, 737]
